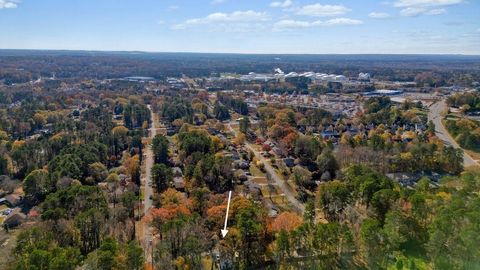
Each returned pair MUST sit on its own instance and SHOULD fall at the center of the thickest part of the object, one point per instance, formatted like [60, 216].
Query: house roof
[177, 169]
[33, 213]
[13, 198]
[15, 218]
[179, 182]
[290, 162]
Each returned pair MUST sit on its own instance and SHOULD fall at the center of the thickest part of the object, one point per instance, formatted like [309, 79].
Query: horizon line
[231, 53]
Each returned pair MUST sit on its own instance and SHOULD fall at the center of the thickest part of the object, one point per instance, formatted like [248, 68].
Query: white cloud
[8, 4]
[215, 2]
[417, 11]
[412, 11]
[285, 4]
[290, 24]
[378, 15]
[319, 10]
[425, 3]
[342, 21]
[294, 24]
[437, 11]
[173, 7]
[248, 16]
[411, 8]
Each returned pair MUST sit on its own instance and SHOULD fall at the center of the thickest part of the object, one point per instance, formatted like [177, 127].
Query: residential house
[241, 175]
[179, 183]
[14, 220]
[13, 200]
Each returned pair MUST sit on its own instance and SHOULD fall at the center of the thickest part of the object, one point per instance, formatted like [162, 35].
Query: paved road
[435, 115]
[148, 190]
[274, 176]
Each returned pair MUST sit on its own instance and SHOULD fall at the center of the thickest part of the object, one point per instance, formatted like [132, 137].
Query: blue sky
[244, 26]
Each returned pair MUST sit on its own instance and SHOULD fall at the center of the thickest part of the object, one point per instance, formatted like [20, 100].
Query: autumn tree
[182, 235]
[120, 137]
[132, 165]
[286, 221]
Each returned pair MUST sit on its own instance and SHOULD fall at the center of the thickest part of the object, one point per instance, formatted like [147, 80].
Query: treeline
[468, 102]
[466, 132]
[19, 66]
[381, 110]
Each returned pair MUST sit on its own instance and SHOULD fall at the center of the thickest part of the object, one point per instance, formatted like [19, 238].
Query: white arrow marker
[225, 231]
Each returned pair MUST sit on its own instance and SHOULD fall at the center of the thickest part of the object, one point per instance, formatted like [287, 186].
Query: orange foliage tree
[286, 221]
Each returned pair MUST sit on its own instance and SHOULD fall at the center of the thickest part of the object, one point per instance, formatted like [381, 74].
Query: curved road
[274, 176]
[435, 115]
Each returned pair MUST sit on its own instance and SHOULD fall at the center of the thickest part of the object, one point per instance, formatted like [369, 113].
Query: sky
[244, 26]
